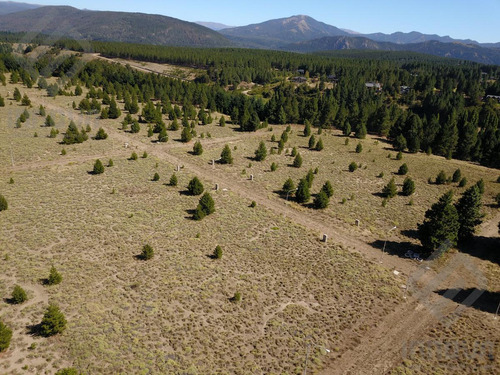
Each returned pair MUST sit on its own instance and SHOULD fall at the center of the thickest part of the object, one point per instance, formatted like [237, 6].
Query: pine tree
[469, 213]
[205, 207]
[288, 186]
[147, 252]
[98, 167]
[53, 322]
[274, 167]
[19, 295]
[359, 148]
[480, 186]
[312, 142]
[54, 277]
[162, 135]
[441, 224]
[408, 187]
[297, 162]
[390, 190]
[222, 121]
[302, 194]
[186, 135]
[17, 95]
[457, 175]
[156, 177]
[49, 121]
[197, 148]
[307, 129]
[217, 252]
[5, 337]
[101, 134]
[3, 203]
[135, 127]
[113, 111]
[195, 187]
[41, 110]
[25, 101]
[347, 129]
[173, 180]
[441, 178]
[261, 152]
[294, 152]
[328, 189]
[403, 169]
[319, 145]
[310, 178]
[321, 200]
[353, 166]
[225, 156]
[361, 132]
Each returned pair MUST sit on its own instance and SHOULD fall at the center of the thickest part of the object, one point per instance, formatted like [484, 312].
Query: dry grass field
[172, 314]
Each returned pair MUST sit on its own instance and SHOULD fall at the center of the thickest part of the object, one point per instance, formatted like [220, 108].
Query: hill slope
[454, 50]
[274, 33]
[8, 7]
[112, 26]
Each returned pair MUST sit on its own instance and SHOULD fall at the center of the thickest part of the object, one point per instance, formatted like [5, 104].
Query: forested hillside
[65, 21]
[422, 105]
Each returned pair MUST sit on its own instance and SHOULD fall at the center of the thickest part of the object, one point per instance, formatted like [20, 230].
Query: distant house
[301, 71]
[374, 85]
[299, 79]
[495, 97]
[404, 90]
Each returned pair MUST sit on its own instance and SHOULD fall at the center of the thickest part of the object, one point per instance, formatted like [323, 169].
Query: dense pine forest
[423, 103]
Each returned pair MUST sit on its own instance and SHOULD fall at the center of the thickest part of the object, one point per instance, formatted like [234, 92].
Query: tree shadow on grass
[483, 300]
[398, 248]
[34, 329]
[191, 213]
[486, 248]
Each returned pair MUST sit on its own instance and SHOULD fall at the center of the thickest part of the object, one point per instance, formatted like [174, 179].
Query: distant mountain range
[213, 25]
[8, 7]
[297, 33]
[279, 32]
[112, 26]
[472, 52]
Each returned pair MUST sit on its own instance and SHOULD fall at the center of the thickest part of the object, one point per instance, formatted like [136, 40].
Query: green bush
[98, 167]
[390, 190]
[236, 297]
[297, 162]
[353, 166]
[261, 152]
[197, 148]
[321, 200]
[274, 166]
[53, 322]
[147, 252]
[225, 156]
[19, 295]
[54, 277]
[403, 169]
[101, 134]
[408, 186]
[173, 180]
[359, 148]
[3, 203]
[217, 252]
[5, 336]
[133, 156]
[195, 187]
[441, 178]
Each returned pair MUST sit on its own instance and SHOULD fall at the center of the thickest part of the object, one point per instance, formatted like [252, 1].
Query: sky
[460, 19]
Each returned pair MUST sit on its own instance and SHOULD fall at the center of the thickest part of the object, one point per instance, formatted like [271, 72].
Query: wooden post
[216, 187]
[251, 177]
[358, 222]
[178, 168]
[325, 238]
